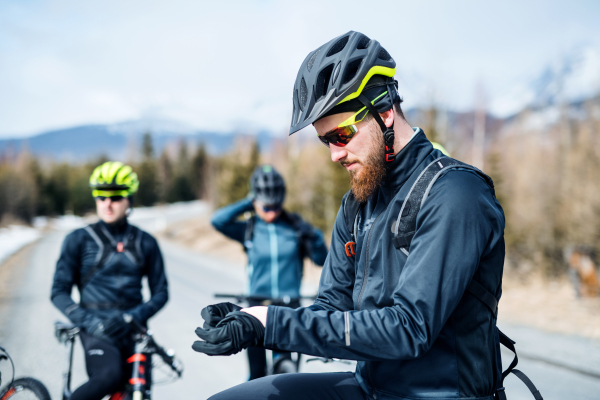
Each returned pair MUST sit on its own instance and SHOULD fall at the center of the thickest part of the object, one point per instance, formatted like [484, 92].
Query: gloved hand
[116, 328]
[237, 331]
[214, 313]
[306, 230]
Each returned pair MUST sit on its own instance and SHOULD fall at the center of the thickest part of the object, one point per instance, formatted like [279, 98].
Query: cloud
[226, 65]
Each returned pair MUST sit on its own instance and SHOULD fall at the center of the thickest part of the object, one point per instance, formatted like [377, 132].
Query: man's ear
[388, 117]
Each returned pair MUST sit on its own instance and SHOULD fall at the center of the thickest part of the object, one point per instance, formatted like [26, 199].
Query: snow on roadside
[14, 237]
[152, 219]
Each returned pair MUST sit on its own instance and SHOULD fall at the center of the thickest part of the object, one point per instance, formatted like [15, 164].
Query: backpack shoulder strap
[249, 233]
[133, 244]
[500, 393]
[405, 226]
[104, 251]
[351, 208]
[303, 237]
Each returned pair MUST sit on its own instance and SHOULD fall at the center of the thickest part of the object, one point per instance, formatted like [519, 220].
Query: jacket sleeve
[457, 223]
[318, 248]
[65, 277]
[337, 278]
[157, 281]
[225, 219]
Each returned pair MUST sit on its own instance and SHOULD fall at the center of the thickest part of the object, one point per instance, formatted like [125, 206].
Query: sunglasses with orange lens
[339, 136]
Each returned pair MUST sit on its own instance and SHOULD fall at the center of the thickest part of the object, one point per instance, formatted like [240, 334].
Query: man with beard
[398, 302]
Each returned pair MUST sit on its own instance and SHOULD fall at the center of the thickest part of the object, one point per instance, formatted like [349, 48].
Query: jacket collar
[117, 228]
[407, 160]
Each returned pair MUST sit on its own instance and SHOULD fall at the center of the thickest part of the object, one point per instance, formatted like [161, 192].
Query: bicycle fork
[138, 375]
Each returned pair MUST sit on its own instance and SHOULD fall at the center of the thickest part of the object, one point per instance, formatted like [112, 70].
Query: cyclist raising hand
[276, 242]
[107, 261]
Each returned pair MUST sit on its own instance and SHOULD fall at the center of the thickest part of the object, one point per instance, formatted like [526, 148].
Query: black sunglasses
[271, 207]
[112, 198]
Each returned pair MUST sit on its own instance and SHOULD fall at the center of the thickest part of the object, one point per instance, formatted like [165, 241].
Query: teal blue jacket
[275, 257]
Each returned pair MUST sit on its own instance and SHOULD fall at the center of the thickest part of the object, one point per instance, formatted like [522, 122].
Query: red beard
[365, 182]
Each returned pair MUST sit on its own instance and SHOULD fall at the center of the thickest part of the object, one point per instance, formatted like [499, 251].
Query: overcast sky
[222, 65]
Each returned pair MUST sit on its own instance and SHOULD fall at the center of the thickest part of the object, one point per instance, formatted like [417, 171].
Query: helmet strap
[388, 133]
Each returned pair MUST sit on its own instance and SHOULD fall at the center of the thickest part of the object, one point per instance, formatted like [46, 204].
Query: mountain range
[570, 80]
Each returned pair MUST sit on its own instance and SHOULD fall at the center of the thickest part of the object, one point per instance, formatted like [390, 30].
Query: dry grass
[550, 305]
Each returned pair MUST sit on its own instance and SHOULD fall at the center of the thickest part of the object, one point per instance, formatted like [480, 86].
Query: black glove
[237, 331]
[116, 328]
[213, 314]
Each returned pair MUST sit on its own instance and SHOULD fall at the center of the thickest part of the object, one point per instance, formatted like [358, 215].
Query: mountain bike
[22, 388]
[277, 362]
[138, 387]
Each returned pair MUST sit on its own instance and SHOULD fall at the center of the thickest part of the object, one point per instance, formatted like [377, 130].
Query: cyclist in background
[276, 243]
[107, 261]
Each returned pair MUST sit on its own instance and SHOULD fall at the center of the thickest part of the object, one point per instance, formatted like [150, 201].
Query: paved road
[26, 331]
[26, 322]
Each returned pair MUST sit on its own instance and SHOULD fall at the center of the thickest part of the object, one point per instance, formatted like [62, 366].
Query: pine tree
[147, 194]
[165, 176]
[199, 172]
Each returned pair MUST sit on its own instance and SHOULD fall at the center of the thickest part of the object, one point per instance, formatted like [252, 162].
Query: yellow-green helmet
[113, 178]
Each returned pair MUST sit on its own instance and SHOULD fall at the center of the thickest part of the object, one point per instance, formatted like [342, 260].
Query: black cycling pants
[323, 386]
[104, 365]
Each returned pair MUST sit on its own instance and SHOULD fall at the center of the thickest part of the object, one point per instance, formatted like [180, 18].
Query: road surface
[571, 369]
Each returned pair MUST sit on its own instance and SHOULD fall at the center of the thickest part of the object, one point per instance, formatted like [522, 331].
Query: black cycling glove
[116, 328]
[237, 331]
[213, 314]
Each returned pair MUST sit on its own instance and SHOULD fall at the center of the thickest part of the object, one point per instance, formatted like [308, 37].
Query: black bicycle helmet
[267, 185]
[338, 72]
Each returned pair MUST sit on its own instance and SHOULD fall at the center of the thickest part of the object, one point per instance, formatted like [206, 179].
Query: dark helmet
[267, 185]
[338, 72]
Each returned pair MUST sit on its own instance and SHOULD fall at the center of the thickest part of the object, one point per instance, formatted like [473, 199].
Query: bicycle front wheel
[25, 389]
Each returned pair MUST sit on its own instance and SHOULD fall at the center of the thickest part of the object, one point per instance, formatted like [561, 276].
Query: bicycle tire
[33, 386]
[286, 367]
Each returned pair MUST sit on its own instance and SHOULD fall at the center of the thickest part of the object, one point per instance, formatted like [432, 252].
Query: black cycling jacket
[117, 286]
[407, 319]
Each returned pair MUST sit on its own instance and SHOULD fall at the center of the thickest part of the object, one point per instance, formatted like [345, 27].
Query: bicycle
[137, 387]
[277, 362]
[22, 388]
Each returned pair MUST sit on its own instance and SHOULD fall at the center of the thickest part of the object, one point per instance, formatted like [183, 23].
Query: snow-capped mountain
[158, 127]
[572, 78]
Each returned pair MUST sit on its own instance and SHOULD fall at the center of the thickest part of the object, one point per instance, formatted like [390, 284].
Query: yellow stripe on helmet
[376, 70]
[110, 193]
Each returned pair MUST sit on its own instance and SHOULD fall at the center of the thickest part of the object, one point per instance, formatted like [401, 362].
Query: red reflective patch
[10, 392]
[350, 249]
[136, 357]
[120, 247]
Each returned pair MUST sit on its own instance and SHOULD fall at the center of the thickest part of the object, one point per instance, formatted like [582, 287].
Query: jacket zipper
[366, 272]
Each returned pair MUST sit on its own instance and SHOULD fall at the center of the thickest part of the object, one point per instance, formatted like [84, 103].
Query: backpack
[404, 230]
[298, 226]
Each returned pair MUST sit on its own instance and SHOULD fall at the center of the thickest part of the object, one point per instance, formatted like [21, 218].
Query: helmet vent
[351, 70]
[323, 81]
[338, 46]
[384, 55]
[363, 43]
[312, 60]
[303, 94]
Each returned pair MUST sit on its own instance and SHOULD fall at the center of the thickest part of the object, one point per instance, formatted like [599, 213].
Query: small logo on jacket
[96, 352]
